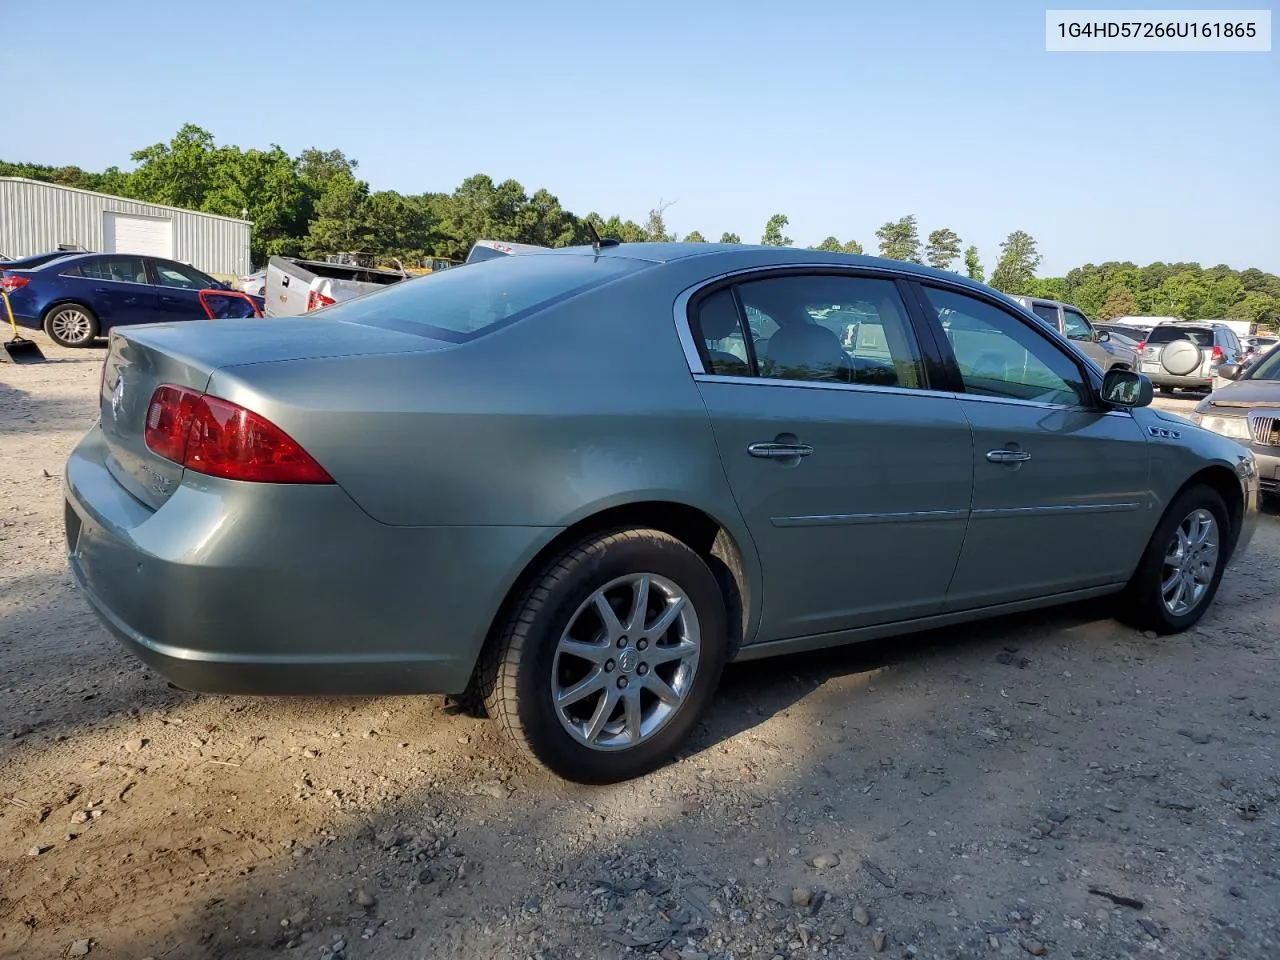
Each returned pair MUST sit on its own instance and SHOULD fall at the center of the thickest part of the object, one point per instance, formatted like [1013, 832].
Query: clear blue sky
[841, 114]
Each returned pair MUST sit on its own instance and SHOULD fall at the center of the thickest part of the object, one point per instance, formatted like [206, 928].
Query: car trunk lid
[139, 359]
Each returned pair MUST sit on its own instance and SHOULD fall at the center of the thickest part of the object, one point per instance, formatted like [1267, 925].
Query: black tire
[516, 678]
[1142, 603]
[59, 324]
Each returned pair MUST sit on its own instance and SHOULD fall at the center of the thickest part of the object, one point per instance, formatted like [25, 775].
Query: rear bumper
[1190, 383]
[278, 589]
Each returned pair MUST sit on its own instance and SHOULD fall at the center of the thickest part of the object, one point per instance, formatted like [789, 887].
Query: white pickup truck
[297, 286]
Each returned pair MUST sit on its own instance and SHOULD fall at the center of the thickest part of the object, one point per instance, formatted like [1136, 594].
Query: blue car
[79, 297]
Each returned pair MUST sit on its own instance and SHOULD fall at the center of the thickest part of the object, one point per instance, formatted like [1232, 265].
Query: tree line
[315, 204]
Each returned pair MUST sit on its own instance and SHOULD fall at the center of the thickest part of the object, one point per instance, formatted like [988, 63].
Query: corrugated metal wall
[36, 216]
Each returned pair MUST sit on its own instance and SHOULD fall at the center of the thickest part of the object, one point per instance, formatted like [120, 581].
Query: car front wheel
[1179, 573]
[610, 657]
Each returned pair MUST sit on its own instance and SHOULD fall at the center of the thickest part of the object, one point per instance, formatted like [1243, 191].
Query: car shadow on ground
[462, 844]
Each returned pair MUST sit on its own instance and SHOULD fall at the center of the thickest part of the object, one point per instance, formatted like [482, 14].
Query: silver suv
[1187, 354]
[1097, 345]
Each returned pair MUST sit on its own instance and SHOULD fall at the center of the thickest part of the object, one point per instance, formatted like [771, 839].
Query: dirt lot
[960, 794]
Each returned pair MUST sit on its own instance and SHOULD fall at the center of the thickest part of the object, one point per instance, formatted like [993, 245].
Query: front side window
[1268, 368]
[119, 269]
[1075, 326]
[837, 329]
[1000, 356]
[172, 275]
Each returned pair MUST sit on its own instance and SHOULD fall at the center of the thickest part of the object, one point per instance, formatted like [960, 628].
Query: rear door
[852, 472]
[115, 287]
[178, 290]
[1060, 485]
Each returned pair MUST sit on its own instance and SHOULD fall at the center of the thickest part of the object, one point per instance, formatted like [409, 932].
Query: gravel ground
[1050, 785]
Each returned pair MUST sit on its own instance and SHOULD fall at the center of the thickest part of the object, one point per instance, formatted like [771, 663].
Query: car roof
[732, 256]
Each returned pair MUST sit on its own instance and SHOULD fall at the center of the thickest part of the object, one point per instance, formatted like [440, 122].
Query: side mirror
[1125, 388]
[1230, 371]
[1103, 336]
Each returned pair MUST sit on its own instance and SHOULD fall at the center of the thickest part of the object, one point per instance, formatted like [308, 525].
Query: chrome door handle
[1008, 456]
[779, 451]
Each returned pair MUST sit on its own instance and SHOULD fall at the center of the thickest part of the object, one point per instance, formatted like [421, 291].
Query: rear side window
[118, 269]
[1046, 313]
[717, 325]
[1200, 337]
[467, 302]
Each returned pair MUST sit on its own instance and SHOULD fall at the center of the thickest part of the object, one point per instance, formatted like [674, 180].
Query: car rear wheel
[610, 657]
[1181, 569]
[71, 325]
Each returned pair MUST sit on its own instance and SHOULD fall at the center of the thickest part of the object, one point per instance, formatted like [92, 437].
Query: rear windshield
[1200, 337]
[478, 298]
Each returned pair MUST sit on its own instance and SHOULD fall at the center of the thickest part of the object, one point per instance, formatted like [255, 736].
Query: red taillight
[316, 300]
[222, 439]
[1217, 352]
[12, 282]
[1142, 345]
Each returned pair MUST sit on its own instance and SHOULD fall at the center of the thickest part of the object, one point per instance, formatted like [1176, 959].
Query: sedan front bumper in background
[234, 587]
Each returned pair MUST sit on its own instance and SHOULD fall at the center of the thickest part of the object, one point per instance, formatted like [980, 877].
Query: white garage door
[129, 233]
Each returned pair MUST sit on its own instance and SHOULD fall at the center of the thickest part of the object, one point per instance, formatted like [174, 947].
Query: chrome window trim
[127, 283]
[820, 385]
[684, 328]
[898, 391]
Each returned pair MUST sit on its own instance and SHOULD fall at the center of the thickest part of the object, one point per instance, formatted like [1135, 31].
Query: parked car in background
[1247, 409]
[1129, 336]
[1070, 321]
[569, 486]
[78, 297]
[1255, 347]
[295, 286]
[489, 249]
[34, 260]
[1186, 355]
[255, 284]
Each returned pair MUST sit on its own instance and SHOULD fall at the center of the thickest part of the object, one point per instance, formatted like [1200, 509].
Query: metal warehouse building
[36, 217]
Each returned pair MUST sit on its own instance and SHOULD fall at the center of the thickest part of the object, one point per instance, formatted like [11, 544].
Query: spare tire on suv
[1181, 357]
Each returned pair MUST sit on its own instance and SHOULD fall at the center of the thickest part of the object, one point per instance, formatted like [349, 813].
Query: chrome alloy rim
[71, 325]
[1190, 562]
[626, 662]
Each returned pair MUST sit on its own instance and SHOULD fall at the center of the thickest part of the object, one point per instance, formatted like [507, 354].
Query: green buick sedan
[569, 486]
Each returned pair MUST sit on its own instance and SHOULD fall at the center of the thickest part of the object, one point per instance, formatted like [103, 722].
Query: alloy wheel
[626, 662]
[1189, 562]
[71, 325]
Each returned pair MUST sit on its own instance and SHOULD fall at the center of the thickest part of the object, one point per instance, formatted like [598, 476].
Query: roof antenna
[598, 241]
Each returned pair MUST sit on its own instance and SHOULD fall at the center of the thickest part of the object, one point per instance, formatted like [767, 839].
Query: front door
[853, 476]
[1060, 496]
[178, 290]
